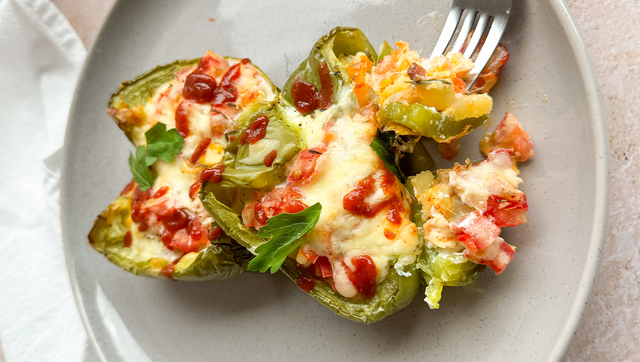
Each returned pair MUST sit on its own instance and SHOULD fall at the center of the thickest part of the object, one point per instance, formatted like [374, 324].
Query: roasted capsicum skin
[224, 258]
[241, 169]
[340, 41]
[436, 268]
[428, 122]
[125, 104]
[393, 294]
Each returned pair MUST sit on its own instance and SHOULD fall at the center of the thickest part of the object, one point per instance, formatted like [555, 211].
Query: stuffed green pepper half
[178, 116]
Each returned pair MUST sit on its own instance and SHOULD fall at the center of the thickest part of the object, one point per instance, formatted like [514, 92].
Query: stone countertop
[610, 328]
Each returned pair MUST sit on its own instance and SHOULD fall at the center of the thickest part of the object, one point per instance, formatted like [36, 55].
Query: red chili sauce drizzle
[193, 190]
[363, 276]
[255, 132]
[127, 239]
[168, 270]
[214, 233]
[355, 201]
[196, 230]
[173, 220]
[389, 234]
[306, 98]
[138, 212]
[161, 192]
[182, 121]
[270, 157]
[226, 91]
[200, 150]
[305, 283]
[199, 87]
[213, 175]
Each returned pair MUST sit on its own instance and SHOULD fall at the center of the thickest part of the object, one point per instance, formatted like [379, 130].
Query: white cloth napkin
[40, 60]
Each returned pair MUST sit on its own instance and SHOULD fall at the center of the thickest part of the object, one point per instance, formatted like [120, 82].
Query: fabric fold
[41, 62]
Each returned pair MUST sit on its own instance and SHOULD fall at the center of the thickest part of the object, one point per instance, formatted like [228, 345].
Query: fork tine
[491, 43]
[464, 30]
[447, 32]
[477, 35]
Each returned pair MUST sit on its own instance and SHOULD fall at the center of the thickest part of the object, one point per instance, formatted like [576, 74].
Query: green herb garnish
[161, 144]
[286, 232]
[382, 145]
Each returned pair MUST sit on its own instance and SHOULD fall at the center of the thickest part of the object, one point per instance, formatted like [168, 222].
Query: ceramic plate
[528, 313]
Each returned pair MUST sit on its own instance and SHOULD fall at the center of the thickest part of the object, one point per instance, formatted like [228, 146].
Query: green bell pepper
[384, 50]
[126, 105]
[393, 294]
[332, 48]
[428, 122]
[222, 259]
[245, 162]
[439, 267]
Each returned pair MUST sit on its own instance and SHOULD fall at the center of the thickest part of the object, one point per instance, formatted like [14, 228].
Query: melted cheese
[468, 190]
[349, 159]
[494, 176]
[179, 175]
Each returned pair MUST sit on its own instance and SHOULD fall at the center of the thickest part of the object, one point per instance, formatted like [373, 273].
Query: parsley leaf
[140, 168]
[382, 145]
[285, 231]
[162, 144]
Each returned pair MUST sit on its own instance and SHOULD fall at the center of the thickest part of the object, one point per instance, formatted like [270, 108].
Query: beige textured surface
[610, 329]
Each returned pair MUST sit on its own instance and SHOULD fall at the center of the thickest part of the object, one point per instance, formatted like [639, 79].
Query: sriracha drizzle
[255, 132]
[306, 98]
[363, 276]
[226, 91]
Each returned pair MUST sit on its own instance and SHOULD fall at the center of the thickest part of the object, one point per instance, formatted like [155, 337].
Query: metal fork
[479, 12]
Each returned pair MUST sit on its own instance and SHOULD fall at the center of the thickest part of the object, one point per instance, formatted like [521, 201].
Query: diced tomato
[309, 254]
[305, 283]
[496, 257]
[213, 65]
[304, 167]
[191, 238]
[509, 135]
[489, 75]
[322, 267]
[476, 232]
[506, 212]
[283, 199]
